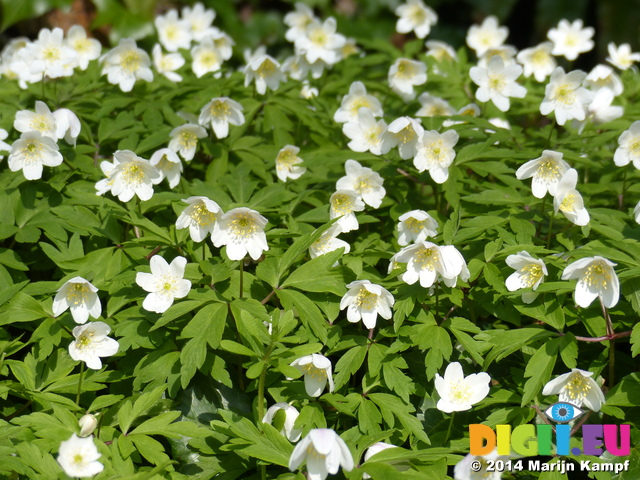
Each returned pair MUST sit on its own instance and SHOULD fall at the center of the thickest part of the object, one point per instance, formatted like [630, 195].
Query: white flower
[219, 113]
[569, 201]
[636, 212]
[546, 171]
[4, 146]
[298, 20]
[78, 457]
[404, 74]
[79, 295]
[440, 51]
[471, 110]
[364, 181]
[307, 91]
[321, 42]
[165, 283]
[206, 58]
[424, 262]
[199, 21]
[31, 152]
[365, 301]
[291, 413]
[42, 121]
[455, 265]
[629, 147]
[184, 139]
[399, 465]
[356, 99]
[603, 76]
[242, 231]
[497, 83]
[416, 226]
[466, 469]
[286, 163]
[265, 70]
[168, 164]
[488, 35]
[596, 278]
[578, 388]
[223, 43]
[416, 17]
[600, 110]
[200, 216]
[459, 393]
[571, 40]
[506, 52]
[434, 106]
[436, 153]
[403, 132]
[67, 125]
[91, 343]
[343, 204]
[530, 273]
[103, 186]
[317, 372]
[324, 451]
[50, 56]
[365, 132]
[564, 96]
[125, 64]
[132, 175]
[538, 61]
[621, 56]
[87, 424]
[328, 242]
[86, 49]
[167, 64]
[173, 33]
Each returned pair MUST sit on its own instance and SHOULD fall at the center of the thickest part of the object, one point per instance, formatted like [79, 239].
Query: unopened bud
[88, 424]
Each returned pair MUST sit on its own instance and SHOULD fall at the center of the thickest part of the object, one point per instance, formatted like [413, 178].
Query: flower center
[427, 258]
[406, 70]
[576, 388]
[436, 152]
[77, 293]
[40, 123]
[497, 82]
[564, 93]
[319, 37]
[201, 216]
[220, 109]
[417, 14]
[131, 61]
[209, 59]
[540, 57]
[266, 68]
[359, 103]
[171, 32]
[634, 149]
[414, 225]
[366, 299]
[78, 459]
[286, 158]
[548, 171]
[133, 173]
[406, 135]
[243, 225]
[31, 153]
[567, 203]
[84, 340]
[342, 204]
[363, 184]
[459, 392]
[598, 276]
[530, 274]
[316, 373]
[187, 140]
[51, 53]
[81, 45]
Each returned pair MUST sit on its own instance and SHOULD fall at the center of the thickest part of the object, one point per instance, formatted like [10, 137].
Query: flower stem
[624, 188]
[550, 232]
[80, 383]
[446, 439]
[553, 126]
[544, 204]
[241, 277]
[612, 350]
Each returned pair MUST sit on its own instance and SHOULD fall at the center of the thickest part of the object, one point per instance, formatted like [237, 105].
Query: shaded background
[254, 22]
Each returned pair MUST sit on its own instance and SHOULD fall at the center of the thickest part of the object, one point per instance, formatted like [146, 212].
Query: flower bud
[88, 424]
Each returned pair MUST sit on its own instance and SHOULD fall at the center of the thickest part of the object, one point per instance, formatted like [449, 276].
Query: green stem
[80, 383]
[437, 294]
[544, 204]
[612, 349]
[553, 126]
[446, 439]
[241, 277]
[624, 189]
[550, 232]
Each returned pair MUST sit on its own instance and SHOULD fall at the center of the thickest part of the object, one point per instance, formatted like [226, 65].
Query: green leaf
[319, 275]
[539, 369]
[308, 312]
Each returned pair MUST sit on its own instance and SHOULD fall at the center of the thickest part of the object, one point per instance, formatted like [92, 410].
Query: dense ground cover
[170, 261]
